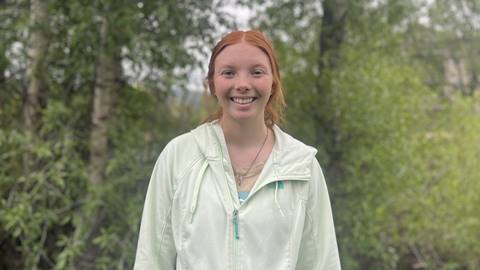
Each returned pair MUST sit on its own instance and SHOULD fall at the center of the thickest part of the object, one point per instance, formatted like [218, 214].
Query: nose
[242, 82]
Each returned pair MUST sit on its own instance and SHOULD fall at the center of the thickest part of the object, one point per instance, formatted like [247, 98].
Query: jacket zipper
[236, 237]
[235, 224]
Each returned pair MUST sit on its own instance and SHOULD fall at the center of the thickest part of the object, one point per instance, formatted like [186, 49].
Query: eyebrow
[260, 65]
[226, 66]
[233, 67]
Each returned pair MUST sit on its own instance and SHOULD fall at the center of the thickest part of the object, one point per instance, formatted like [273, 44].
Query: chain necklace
[240, 176]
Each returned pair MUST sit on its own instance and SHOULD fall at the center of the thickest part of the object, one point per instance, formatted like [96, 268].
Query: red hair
[276, 103]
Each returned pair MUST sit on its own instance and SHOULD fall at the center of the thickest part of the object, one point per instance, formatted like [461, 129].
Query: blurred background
[388, 91]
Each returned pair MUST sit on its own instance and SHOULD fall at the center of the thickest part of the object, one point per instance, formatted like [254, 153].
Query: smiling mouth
[243, 100]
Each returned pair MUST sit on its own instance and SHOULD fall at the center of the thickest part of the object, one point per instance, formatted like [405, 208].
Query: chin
[244, 118]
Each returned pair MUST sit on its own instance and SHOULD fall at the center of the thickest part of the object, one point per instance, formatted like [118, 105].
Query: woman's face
[243, 82]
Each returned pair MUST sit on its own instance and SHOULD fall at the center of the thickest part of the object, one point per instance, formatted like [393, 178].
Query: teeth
[242, 100]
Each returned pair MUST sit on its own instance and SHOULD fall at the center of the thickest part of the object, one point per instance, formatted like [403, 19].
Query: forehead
[242, 54]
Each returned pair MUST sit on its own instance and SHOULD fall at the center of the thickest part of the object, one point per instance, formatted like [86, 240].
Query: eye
[257, 72]
[227, 73]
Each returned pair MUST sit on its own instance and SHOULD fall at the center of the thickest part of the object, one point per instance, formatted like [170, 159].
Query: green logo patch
[281, 185]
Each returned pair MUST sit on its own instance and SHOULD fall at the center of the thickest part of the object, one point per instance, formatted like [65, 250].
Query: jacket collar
[289, 158]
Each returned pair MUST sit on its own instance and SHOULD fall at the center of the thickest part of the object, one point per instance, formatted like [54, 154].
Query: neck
[243, 134]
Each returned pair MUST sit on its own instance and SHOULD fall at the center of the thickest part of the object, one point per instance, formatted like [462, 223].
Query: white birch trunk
[37, 50]
[108, 69]
[107, 76]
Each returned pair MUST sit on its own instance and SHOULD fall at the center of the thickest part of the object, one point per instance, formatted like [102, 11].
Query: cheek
[219, 84]
[215, 87]
[268, 86]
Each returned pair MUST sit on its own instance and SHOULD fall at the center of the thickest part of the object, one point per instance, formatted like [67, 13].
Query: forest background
[388, 91]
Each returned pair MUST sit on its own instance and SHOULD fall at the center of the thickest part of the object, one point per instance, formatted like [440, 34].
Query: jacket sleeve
[318, 248]
[156, 248]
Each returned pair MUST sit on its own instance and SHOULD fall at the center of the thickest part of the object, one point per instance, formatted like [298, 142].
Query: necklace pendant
[240, 180]
[239, 177]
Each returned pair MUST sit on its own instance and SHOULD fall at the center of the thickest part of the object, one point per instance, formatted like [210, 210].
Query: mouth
[243, 100]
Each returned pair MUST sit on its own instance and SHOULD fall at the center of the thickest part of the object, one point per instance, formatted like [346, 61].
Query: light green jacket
[193, 220]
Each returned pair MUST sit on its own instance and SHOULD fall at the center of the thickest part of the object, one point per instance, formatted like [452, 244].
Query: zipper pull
[235, 224]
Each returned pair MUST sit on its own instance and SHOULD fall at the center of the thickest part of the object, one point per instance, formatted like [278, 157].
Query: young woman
[237, 192]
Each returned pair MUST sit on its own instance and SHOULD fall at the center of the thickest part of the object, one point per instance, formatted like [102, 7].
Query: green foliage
[404, 186]
[45, 193]
[38, 206]
[406, 136]
[379, 110]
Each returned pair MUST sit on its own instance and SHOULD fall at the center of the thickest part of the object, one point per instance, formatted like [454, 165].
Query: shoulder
[180, 154]
[180, 144]
[287, 145]
[291, 156]
[191, 142]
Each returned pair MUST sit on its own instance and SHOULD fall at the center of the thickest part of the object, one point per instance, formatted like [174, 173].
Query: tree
[38, 46]
[107, 78]
[390, 162]
[46, 213]
[331, 40]
[445, 42]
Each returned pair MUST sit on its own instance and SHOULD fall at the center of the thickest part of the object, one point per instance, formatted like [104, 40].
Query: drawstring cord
[276, 201]
[196, 190]
[198, 184]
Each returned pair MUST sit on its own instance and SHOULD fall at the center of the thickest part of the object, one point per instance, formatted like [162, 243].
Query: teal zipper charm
[235, 224]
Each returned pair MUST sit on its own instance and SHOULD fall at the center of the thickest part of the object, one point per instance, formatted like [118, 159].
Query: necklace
[240, 176]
